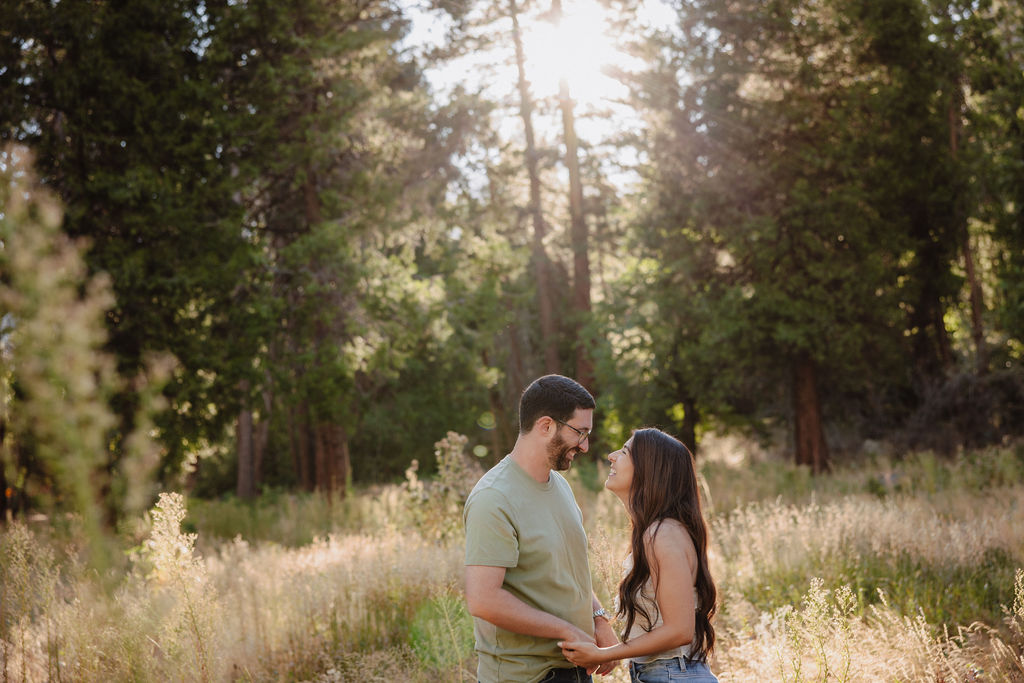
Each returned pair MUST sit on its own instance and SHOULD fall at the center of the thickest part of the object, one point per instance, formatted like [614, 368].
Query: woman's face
[620, 477]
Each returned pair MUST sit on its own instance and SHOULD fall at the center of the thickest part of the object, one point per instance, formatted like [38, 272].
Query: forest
[309, 261]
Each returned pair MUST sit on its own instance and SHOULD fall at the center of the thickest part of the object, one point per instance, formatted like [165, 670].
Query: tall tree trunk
[580, 253]
[246, 483]
[332, 459]
[688, 429]
[516, 369]
[330, 454]
[540, 260]
[580, 237]
[260, 438]
[976, 296]
[932, 350]
[811, 447]
[300, 445]
[501, 440]
[344, 463]
[322, 460]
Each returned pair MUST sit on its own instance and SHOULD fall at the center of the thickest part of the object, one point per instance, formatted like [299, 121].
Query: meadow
[884, 570]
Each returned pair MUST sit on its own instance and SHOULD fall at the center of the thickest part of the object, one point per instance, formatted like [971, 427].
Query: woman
[667, 596]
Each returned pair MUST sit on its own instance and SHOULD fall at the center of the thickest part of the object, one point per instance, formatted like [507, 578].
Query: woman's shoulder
[669, 533]
[666, 526]
[670, 545]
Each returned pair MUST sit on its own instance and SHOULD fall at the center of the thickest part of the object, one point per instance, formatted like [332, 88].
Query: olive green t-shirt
[536, 532]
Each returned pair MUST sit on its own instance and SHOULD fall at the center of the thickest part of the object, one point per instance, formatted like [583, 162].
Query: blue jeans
[575, 675]
[667, 670]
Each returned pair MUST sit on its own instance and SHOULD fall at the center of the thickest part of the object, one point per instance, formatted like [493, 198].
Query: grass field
[887, 571]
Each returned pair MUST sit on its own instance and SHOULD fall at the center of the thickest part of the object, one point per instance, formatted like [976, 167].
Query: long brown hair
[665, 487]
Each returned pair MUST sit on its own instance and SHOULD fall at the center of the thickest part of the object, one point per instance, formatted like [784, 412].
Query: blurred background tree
[802, 220]
[57, 384]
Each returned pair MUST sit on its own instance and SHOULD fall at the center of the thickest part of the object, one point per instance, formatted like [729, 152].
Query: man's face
[561, 453]
[566, 444]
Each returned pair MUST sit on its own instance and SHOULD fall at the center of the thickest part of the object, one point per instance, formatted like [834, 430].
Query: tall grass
[915, 579]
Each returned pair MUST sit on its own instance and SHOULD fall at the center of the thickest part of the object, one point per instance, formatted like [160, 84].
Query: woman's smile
[620, 474]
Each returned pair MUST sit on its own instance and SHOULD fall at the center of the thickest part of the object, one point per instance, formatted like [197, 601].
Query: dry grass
[835, 587]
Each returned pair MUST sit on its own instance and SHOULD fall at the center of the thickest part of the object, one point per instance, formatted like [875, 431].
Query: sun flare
[576, 49]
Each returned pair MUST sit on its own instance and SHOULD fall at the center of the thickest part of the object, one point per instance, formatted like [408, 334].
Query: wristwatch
[601, 613]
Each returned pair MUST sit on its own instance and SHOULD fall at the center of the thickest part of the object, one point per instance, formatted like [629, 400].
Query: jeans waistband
[683, 661]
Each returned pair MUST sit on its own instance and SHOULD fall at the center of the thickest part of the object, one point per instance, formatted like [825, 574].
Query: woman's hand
[583, 653]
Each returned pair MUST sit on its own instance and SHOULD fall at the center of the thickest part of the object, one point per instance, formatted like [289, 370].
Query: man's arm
[487, 600]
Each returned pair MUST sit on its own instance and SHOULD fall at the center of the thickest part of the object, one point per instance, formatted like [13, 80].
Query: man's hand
[605, 636]
[573, 633]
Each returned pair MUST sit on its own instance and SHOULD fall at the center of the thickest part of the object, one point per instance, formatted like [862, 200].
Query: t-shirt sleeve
[491, 538]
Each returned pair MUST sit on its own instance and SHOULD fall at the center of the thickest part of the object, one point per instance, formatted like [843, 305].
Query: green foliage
[804, 198]
[124, 112]
[951, 594]
[326, 245]
[436, 506]
[58, 383]
[441, 633]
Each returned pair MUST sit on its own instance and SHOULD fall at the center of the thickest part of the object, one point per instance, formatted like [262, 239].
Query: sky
[578, 49]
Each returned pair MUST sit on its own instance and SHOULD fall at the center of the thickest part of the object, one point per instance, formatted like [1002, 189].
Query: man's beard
[560, 454]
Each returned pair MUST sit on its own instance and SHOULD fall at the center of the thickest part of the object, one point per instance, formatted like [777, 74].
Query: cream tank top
[640, 626]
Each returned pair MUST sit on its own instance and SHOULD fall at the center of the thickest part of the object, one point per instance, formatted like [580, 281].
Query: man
[527, 575]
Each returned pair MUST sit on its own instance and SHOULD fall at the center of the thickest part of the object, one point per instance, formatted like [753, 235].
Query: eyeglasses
[584, 433]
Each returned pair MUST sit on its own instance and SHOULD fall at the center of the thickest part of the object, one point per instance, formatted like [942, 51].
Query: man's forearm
[506, 611]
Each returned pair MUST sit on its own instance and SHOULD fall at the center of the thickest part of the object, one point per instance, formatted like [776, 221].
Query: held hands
[583, 653]
[576, 635]
[590, 655]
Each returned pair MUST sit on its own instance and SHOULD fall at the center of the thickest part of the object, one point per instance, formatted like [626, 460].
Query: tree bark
[332, 459]
[501, 440]
[932, 350]
[344, 460]
[516, 368]
[811, 447]
[299, 442]
[259, 445]
[321, 459]
[246, 482]
[540, 260]
[580, 237]
[688, 430]
[973, 283]
[688, 427]
[579, 233]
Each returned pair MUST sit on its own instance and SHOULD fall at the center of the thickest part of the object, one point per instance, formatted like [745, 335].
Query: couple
[528, 582]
